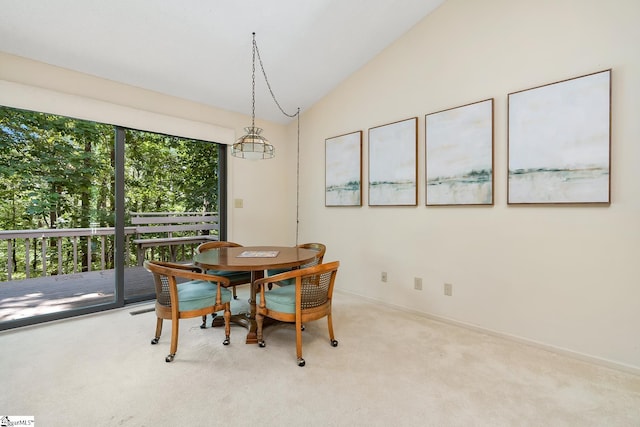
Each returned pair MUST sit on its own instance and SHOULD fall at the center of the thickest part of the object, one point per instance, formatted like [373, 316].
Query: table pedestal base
[244, 320]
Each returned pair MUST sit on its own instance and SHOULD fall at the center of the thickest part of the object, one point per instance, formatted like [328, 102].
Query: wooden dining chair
[236, 278]
[196, 295]
[309, 299]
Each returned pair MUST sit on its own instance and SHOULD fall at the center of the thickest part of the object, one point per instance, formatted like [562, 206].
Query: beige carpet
[391, 368]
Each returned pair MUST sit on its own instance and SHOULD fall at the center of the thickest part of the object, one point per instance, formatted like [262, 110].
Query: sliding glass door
[172, 196]
[68, 189]
[57, 216]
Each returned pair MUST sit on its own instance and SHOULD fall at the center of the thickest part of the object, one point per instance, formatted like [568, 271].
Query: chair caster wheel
[204, 325]
[302, 327]
[155, 340]
[226, 341]
[236, 297]
[334, 343]
[301, 362]
[261, 344]
[169, 358]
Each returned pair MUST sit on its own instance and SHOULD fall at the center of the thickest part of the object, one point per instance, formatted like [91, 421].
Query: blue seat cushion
[236, 277]
[197, 294]
[280, 299]
[286, 282]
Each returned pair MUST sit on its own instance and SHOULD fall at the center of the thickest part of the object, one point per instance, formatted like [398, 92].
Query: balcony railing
[46, 252]
[46, 271]
[26, 254]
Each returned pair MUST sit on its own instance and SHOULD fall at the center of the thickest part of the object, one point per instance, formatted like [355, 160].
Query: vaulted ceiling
[201, 50]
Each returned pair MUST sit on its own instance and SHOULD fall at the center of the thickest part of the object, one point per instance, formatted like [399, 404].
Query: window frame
[119, 225]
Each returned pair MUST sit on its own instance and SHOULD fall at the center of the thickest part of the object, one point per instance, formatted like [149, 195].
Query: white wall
[268, 212]
[563, 277]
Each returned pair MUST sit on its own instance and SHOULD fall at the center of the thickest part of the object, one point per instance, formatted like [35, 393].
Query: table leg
[252, 335]
[246, 320]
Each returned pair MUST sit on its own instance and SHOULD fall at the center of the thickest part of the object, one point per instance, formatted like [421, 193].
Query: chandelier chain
[256, 51]
[253, 84]
[298, 179]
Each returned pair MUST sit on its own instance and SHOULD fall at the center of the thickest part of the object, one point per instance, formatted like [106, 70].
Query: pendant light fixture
[253, 145]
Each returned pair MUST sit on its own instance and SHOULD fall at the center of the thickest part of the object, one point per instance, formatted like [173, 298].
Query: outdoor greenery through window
[58, 186]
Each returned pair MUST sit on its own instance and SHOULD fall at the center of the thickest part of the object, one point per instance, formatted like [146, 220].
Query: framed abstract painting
[393, 168]
[459, 155]
[559, 142]
[343, 170]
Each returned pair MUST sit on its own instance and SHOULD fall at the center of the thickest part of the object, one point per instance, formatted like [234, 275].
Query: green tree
[57, 172]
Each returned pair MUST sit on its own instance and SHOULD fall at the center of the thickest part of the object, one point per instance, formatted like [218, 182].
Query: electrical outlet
[383, 276]
[448, 289]
[417, 283]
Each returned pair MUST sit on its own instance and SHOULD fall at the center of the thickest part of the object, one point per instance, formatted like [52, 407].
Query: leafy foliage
[57, 172]
[166, 173]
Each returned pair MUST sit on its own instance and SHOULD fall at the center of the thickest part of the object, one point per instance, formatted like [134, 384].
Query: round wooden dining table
[256, 259]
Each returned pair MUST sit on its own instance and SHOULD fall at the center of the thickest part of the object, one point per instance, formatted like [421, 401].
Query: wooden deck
[32, 297]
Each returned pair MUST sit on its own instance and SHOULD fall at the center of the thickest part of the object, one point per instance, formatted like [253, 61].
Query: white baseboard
[554, 349]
